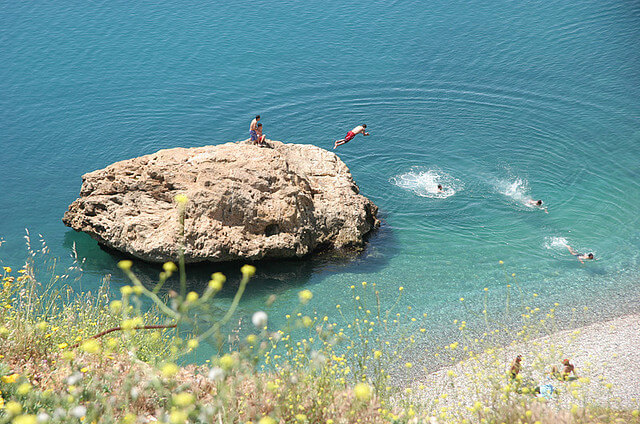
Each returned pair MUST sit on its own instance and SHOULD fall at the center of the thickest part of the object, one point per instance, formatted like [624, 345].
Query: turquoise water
[499, 101]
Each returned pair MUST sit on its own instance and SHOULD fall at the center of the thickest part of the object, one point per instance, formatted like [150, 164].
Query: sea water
[500, 102]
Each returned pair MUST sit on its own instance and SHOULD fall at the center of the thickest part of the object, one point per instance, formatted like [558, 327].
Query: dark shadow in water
[597, 270]
[272, 276]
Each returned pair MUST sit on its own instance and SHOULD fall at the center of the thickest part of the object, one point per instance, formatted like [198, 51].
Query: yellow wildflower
[362, 391]
[9, 379]
[215, 285]
[305, 296]
[227, 362]
[125, 265]
[169, 267]
[24, 388]
[25, 419]
[192, 297]
[218, 276]
[13, 408]
[248, 270]
[178, 417]
[181, 199]
[306, 321]
[131, 324]
[169, 369]
[183, 399]
[116, 306]
[91, 346]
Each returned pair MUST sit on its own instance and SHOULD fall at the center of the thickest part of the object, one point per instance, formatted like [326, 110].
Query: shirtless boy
[516, 366]
[581, 256]
[360, 129]
[253, 128]
[568, 369]
[260, 138]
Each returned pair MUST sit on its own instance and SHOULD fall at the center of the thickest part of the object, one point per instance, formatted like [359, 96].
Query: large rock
[245, 202]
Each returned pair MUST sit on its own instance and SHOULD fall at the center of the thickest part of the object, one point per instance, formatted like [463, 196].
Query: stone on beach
[245, 203]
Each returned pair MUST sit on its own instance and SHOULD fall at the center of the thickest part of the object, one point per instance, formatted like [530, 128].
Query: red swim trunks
[349, 136]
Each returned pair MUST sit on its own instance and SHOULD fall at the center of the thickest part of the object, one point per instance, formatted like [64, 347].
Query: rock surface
[245, 202]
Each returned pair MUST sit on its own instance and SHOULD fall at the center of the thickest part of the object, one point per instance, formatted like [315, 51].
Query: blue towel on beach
[546, 391]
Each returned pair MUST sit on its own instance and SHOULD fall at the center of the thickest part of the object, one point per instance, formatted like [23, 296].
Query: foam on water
[555, 242]
[425, 183]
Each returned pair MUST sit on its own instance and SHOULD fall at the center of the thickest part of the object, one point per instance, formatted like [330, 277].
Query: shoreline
[606, 355]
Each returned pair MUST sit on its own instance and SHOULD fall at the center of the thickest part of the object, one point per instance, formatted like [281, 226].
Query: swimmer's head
[364, 125]
[565, 362]
[257, 117]
[539, 203]
[259, 125]
[590, 256]
[439, 186]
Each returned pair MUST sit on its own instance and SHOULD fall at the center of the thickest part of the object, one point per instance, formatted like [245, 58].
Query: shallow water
[501, 101]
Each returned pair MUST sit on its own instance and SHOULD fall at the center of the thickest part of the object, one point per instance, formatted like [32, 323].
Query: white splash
[518, 191]
[425, 183]
[555, 242]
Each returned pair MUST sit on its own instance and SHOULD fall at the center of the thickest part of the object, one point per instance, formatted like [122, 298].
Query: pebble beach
[605, 355]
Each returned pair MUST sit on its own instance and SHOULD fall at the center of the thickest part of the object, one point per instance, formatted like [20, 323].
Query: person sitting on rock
[253, 127]
[261, 138]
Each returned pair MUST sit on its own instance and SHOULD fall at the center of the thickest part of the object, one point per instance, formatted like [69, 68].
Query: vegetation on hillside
[99, 358]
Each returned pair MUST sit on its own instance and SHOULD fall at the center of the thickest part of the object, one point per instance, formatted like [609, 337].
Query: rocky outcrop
[245, 202]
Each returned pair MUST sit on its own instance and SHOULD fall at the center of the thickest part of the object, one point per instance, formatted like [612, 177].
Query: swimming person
[253, 135]
[537, 203]
[360, 129]
[439, 187]
[581, 256]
